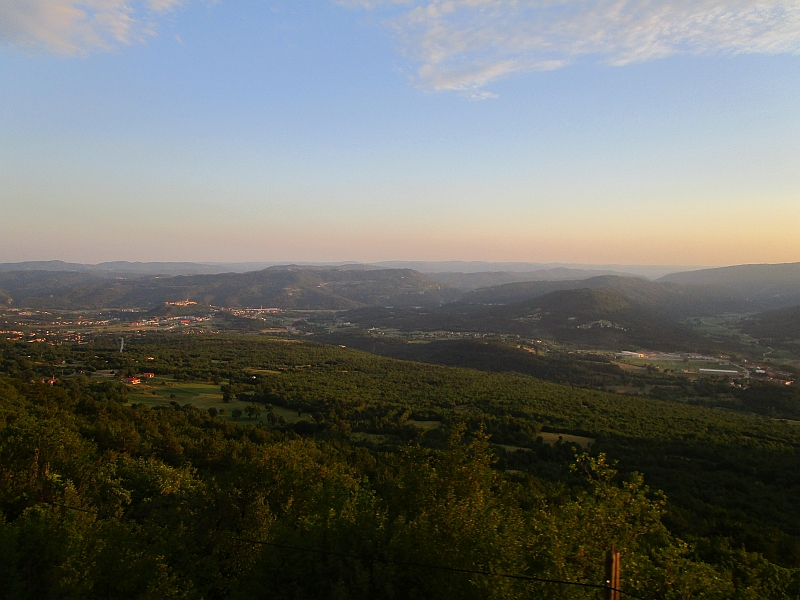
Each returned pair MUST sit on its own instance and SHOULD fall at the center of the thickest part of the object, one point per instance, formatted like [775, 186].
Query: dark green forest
[596, 318]
[778, 327]
[586, 369]
[103, 495]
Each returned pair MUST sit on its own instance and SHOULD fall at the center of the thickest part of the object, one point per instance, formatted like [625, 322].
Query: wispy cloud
[465, 44]
[78, 26]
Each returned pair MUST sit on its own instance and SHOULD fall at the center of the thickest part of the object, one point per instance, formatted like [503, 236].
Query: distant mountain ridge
[639, 306]
[669, 298]
[462, 266]
[290, 287]
[426, 267]
[601, 318]
[467, 282]
[762, 286]
[136, 268]
[615, 311]
[779, 326]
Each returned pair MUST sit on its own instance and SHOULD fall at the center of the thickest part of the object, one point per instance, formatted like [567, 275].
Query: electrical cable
[402, 563]
[440, 568]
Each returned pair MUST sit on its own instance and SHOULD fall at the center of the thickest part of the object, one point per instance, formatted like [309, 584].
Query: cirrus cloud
[78, 26]
[465, 44]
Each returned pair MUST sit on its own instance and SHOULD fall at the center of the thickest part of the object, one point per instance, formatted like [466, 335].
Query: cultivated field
[163, 390]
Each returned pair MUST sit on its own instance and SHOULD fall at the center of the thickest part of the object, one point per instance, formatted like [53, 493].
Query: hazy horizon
[389, 263]
[427, 267]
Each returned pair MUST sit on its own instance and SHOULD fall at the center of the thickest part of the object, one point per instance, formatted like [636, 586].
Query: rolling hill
[477, 266]
[670, 299]
[127, 268]
[286, 287]
[37, 288]
[467, 282]
[761, 286]
[778, 326]
[601, 318]
[119, 267]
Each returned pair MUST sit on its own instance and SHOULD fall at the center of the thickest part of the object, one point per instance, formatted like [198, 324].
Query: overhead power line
[437, 567]
[402, 563]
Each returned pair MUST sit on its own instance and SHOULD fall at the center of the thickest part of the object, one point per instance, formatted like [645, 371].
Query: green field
[163, 390]
[691, 366]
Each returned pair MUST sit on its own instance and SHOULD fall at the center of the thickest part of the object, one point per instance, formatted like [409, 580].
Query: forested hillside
[780, 326]
[596, 318]
[287, 287]
[473, 281]
[101, 500]
[588, 369]
[668, 299]
[135, 494]
[762, 286]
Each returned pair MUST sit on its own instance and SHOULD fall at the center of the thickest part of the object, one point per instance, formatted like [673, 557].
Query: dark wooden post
[612, 575]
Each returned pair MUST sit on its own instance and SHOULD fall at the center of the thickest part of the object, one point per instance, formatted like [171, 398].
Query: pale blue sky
[583, 131]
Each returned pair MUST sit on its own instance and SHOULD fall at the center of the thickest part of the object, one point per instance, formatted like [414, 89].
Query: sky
[573, 131]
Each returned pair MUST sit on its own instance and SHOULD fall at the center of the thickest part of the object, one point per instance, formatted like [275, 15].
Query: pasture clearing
[425, 424]
[510, 448]
[553, 437]
[689, 366]
[163, 390]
